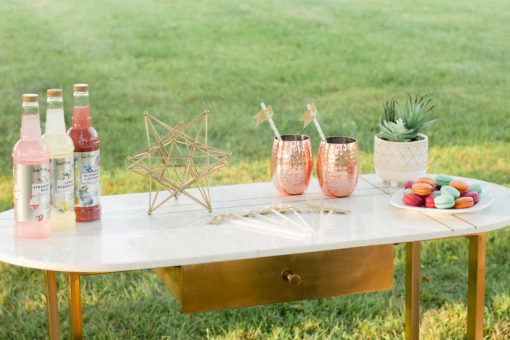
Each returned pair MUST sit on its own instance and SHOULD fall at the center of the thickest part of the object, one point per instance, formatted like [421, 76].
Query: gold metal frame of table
[173, 277]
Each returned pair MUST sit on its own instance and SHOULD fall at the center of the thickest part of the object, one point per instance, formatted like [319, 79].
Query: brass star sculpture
[309, 115]
[177, 160]
[263, 115]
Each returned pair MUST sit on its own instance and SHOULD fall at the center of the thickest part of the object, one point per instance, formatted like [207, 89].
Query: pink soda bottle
[31, 174]
[86, 158]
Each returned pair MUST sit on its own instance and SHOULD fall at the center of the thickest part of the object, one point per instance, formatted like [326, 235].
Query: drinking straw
[267, 222]
[311, 229]
[290, 227]
[320, 229]
[323, 224]
[312, 112]
[304, 228]
[267, 229]
[277, 224]
[268, 117]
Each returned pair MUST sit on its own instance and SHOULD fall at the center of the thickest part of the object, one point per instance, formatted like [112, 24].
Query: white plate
[486, 199]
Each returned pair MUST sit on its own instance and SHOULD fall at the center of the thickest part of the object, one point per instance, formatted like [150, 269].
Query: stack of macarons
[443, 192]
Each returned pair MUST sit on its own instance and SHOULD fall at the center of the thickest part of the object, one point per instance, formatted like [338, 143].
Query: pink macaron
[436, 187]
[429, 201]
[473, 195]
[408, 185]
[413, 200]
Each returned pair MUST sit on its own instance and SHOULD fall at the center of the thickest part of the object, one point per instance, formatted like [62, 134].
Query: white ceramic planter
[399, 162]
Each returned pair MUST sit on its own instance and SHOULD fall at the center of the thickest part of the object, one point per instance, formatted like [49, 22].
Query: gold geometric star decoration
[177, 160]
[309, 115]
[263, 115]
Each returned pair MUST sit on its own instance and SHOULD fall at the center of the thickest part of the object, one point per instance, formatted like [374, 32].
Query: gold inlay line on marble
[463, 220]
[436, 220]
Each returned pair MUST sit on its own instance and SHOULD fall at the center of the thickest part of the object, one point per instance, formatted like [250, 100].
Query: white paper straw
[304, 222]
[265, 229]
[288, 220]
[323, 138]
[271, 223]
[263, 106]
[321, 223]
[278, 223]
[326, 222]
[304, 228]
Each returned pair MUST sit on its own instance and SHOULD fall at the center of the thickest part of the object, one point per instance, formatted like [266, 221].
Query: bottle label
[86, 179]
[31, 192]
[62, 185]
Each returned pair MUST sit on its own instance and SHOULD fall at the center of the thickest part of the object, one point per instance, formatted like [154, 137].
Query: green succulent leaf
[390, 115]
[416, 113]
[401, 123]
[395, 131]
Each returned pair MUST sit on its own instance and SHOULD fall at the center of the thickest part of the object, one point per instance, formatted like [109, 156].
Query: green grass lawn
[175, 59]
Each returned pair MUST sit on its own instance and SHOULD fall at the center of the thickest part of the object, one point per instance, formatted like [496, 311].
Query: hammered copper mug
[291, 164]
[338, 166]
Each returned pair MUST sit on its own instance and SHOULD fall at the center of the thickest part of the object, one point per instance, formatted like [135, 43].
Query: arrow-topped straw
[266, 114]
[311, 115]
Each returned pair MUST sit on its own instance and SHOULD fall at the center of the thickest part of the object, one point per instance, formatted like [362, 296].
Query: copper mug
[338, 166]
[291, 164]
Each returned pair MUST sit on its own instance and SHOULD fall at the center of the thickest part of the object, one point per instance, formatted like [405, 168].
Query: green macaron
[408, 191]
[443, 180]
[446, 189]
[476, 187]
[436, 192]
[444, 201]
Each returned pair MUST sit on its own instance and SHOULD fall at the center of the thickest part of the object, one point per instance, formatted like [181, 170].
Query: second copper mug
[338, 166]
[291, 164]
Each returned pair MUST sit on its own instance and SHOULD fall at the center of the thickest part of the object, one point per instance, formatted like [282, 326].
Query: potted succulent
[400, 149]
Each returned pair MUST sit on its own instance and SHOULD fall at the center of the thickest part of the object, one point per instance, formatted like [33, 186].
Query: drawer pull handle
[293, 279]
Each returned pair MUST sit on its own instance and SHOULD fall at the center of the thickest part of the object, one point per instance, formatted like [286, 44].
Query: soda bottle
[31, 175]
[86, 158]
[61, 163]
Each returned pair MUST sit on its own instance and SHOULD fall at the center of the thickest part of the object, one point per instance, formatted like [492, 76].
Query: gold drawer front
[241, 283]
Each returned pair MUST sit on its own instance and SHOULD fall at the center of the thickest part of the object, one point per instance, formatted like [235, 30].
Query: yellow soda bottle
[61, 163]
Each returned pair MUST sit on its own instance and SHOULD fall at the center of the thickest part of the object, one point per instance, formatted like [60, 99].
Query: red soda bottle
[86, 158]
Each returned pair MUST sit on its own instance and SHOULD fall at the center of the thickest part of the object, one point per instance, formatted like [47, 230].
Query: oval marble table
[178, 237]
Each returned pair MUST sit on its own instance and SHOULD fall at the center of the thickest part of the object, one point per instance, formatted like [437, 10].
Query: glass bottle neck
[55, 123]
[30, 124]
[55, 103]
[31, 108]
[81, 99]
[81, 110]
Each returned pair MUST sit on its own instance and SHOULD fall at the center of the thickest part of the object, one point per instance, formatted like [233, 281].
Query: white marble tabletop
[126, 238]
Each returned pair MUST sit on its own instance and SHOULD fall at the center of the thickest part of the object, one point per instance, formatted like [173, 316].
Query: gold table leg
[476, 285]
[52, 305]
[412, 309]
[74, 299]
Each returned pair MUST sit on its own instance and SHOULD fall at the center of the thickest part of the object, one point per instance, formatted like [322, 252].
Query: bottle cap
[81, 88]
[54, 93]
[30, 98]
